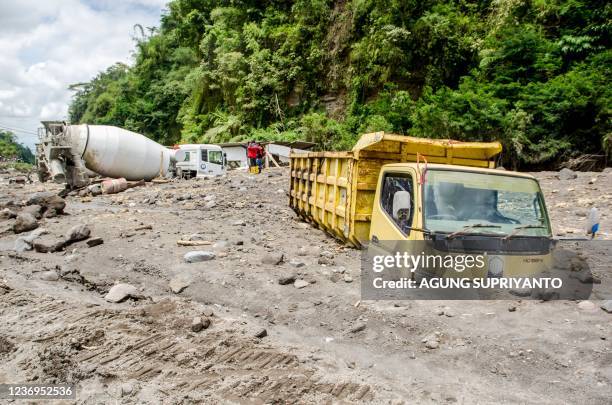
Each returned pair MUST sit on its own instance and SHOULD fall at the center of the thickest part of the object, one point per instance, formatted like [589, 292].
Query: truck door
[212, 162]
[395, 209]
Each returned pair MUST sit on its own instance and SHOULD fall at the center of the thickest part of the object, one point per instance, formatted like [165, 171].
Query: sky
[45, 46]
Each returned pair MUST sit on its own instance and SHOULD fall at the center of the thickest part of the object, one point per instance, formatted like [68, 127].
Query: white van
[199, 160]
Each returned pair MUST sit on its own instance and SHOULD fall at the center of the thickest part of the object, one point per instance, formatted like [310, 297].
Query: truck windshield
[463, 201]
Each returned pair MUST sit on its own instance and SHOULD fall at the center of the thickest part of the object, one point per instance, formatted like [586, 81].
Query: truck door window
[186, 157]
[216, 157]
[204, 153]
[397, 199]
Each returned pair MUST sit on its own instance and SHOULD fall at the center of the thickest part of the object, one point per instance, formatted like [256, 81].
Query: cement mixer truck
[70, 153]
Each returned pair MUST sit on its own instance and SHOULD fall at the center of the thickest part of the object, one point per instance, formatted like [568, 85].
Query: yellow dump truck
[393, 187]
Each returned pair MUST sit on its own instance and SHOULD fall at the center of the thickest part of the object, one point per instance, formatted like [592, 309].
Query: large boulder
[25, 222]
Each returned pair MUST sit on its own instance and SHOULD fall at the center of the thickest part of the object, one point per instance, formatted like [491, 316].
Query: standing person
[260, 154]
[252, 154]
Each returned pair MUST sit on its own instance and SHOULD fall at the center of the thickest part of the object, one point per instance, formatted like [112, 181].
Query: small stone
[432, 344]
[177, 285]
[210, 204]
[449, 312]
[358, 327]
[49, 275]
[221, 244]
[196, 236]
[95, 242]
[286, 280]
[126, 389]
[25, 222]
[300, 284]
[586, 306]
[273, 258]
[326, 261]
[512, 308]
[607, 306]
[199, 324]
[120, 292]
[208, 312]
[297, 263]
[77, 233]
[348, 279]
[260, 333]
[198, 256]
[239, 223]
[327, 254]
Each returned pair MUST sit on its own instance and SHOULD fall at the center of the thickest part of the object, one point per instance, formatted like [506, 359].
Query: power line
[15, 129]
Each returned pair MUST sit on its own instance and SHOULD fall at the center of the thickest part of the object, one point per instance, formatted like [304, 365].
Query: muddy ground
[267, 342]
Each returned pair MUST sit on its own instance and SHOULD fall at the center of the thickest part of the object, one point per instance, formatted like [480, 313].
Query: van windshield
[456, 201]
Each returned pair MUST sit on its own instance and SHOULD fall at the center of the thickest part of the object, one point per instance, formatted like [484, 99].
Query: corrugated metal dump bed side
[336, 190]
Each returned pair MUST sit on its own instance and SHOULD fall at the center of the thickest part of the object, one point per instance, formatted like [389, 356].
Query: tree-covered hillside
[532, 74]
[13, 151]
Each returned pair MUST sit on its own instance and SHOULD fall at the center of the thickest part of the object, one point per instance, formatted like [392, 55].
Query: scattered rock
[126, 389]
[326, 261]
[35, 210]
[297, 263]
[512, 308]
[432, 344]
[607, 306]
[120, 292]
[198, 256]
[95, 242]
[221, 244]
[50, 275]
[286, 280]
[239, 223]
[51, 203]
[566, 174]
[260, 333]
[24, 222]
[199, 324]
[77, 233]
[300, 283]
[586, 306]
[48, 245]
[348, 279]
[7, 213]
[178, 284]
[357, 327]
[196, 236]
[585, 277]
[24, 243]
[448, 312]
[273, 258]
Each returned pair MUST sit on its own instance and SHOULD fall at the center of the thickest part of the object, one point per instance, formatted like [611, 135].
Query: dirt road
[269, 341]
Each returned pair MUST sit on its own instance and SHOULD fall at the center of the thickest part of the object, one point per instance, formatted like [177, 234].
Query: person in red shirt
[252, 149]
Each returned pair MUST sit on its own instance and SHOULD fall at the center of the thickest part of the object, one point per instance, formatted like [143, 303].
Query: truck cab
[492, 211]
[200, 160]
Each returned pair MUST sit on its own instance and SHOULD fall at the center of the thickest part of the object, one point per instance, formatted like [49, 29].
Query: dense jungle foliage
[533, 74]
[11, 150]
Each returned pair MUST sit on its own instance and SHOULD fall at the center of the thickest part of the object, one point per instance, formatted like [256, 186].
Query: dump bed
[335, 190]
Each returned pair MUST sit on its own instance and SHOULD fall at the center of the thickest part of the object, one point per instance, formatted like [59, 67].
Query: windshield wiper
[518, 230]
[468, 227]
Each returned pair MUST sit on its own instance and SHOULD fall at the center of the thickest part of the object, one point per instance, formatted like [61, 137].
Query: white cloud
[48, 45]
